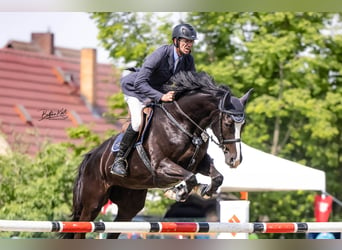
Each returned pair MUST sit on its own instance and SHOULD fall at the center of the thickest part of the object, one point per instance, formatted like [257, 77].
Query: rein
[222, 141]
[198, 141]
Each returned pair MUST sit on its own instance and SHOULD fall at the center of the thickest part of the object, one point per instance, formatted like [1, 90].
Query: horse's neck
[199, 108]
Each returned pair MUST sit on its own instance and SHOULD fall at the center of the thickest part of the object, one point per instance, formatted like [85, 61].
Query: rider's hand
[168, 97]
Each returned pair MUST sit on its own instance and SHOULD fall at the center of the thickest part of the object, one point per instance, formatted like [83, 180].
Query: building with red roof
[45, 89]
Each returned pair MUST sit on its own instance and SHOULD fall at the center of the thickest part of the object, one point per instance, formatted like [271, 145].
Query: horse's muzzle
[231, 160]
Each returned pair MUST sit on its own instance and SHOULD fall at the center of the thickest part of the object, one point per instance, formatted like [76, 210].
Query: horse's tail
[77, 204]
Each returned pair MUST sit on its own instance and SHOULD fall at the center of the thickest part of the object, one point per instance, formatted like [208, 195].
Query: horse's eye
[229, 122]
[229, 125]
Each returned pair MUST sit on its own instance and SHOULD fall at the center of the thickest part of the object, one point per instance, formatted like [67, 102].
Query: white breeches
[135, 108]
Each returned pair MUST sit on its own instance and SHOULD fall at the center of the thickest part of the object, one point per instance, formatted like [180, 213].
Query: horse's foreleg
[184, 191]
[207, 167]
[173, 173]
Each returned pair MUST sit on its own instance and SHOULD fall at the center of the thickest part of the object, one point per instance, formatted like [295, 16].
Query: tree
[40, 187]
[296, 106]
[37, 189]
[131, 36]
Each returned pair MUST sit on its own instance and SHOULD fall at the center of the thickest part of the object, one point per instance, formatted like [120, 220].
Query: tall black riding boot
[119, 166]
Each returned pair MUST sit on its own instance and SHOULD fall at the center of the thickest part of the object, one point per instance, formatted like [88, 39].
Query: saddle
[147, 114]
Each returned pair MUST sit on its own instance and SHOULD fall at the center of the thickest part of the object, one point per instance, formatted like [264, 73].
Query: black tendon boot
[119, 166]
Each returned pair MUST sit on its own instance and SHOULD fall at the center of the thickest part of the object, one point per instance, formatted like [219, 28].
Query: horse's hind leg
[207, 167]
[129, 202]
[87, 215]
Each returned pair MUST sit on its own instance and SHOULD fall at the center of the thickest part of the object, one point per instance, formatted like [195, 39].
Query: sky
[73, 30]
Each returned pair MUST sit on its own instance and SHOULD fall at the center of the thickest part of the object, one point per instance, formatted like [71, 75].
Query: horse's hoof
[170, 194]
[182, 194]
[175, 193]
[204, 191]
[178, 193]
[181, 197]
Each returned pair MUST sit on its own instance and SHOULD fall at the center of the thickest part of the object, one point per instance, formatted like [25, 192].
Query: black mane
[187, 81]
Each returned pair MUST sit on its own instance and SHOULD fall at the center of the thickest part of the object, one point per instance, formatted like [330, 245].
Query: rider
[146, 83]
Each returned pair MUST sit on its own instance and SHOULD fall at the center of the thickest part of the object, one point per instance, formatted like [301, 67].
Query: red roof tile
[28, 80]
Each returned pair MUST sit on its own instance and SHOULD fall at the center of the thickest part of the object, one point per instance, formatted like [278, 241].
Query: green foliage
[130, 35]
[37, 189]
[294, 206]
[156, 204]
[117, 108]
[86, 137]
[41, 188]
[295, 108]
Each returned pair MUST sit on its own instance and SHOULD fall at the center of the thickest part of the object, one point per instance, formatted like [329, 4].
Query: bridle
[196, 140]
[237, 116]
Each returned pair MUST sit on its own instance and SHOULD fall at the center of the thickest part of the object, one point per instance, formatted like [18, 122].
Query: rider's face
[185, 45]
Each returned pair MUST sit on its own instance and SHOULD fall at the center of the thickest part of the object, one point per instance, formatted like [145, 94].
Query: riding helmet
[184, 30]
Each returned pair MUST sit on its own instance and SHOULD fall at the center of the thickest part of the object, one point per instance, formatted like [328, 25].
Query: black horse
[173, 150]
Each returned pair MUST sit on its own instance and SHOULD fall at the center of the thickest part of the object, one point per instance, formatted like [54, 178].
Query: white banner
[235, 211]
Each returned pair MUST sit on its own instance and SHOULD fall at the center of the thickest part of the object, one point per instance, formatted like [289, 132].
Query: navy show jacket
[147, 82]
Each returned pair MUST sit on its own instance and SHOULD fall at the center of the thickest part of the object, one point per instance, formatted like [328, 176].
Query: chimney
[45, 42]
[88, 76]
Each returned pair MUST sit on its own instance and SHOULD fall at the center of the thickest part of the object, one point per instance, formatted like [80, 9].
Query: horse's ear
[225, 101]
[245, 98]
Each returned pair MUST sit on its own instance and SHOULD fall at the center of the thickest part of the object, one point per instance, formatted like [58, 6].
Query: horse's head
[228, 126]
